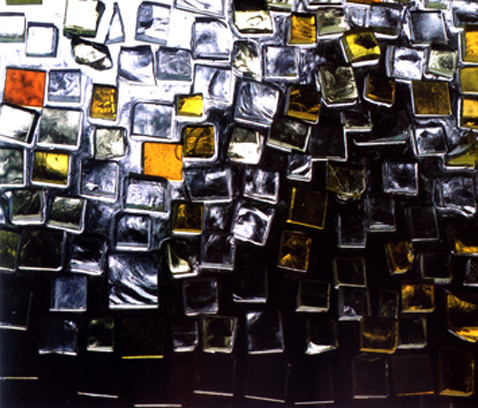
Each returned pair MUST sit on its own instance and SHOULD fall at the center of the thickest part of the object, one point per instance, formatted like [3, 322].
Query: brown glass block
[469, 113]
[462, 315]
[349, 183]
[399, 256]
[163, 160]
[418, 297]
[304, 103]
[456, 372]
[189, 105]
[470, 43]
[412, 374]
[198, 142]
[378, 335]
[51, 168]
[431, 98]
[24, 87]
[380, 90]
[307, 208]
[294, 251]
[303, 29]
[187, 217]
[464, 239]
[104, 102]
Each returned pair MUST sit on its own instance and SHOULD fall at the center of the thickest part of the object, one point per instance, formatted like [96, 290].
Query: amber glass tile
[295, 251]
[24, 87]
[198, 142]
[51, 168]
[378, 335]
[418, 297]
[470, 49]
[304, 103]
[431, 98]
[187, 217]
[399, 256]
[380, 89]
[465, 239]
[163, 160]
[189, 105]
[462, 316]
[104, 102]
[456, 372]
[469, 80]
[469, 113]
[302, 29]
[307, 207]
[361, 45]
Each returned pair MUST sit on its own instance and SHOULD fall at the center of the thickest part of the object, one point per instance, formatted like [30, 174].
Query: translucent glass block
[215, 375]
[133, 232]
[436, 266]
[400, 178]
[311, 383]
[250, 284]
[418, 297]
[217, 251]
[471, 273]
[182, 258]
[379, 90]
[100, 335]
[361, 47]
[212, 184]
[381, 212]
[133, 281]
[429, 141]
[213, 83]
[152, 120]
[109, 143]
[208, 7]
[272, 367]
[173, 64]
[412, 374]
[299, 167]
[346, 181]
[386, 19]
[41, 250]
[91, 54]
[141, 338]
[104, 102]
[264, 332]
[12, 167]
[60, 128]
[427, 27]
[461, 315]
[27, 207]
[200, 297]
[456, 372]
[68, 294]
[431, 98]
[212, 39]
[349, 271]
[331, 20]
[289, 134]
[64, 85]
[302, 213]
[422, 223]
[115, 33]
[246, 58]
[468, 77]
[163, 160]
[189, 105]
[313, 296]
[88, 254]
[42, 40]
[442, 62]
[321, 335]
[82, 17]
[252, 20]
[468, 43]
[378, 335]
[463, 239]
[245, 145]
[370, 377]
[412, 333]
[16, 125]
[252, 224]
[294, 253]
[199, 142]
[303, 103]
[99, 180]
[353, 303]
[468, 111]
[13, 27]
[256, 102]
[464, 154]
[338, 85]
[351, 230]
[218, 333]
[187, 217]
[218, 217]
[152, 24]
[405, 63]
[136, 65]
[261, 185]
[303, 29]
[389, 304]
[15, 307]
[455, 194]
[58, 336]
[67, 213]
[185, 335]
[9, 246]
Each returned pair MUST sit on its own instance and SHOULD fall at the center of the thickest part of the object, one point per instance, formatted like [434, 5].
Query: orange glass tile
[163, 160]
[104, 102]
[24, 87]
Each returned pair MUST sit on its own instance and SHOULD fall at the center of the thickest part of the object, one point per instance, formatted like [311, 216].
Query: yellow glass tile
[456, 372]
[378, 335]
[187, 217]
[380, 89]
[104, 102]
[51, 168]
[295, 251]
[431, 98]
[361, 45]
[189, 105]
[469, 113]
[470, 51]
[465, 154]
[469, 80]
[304, 103]
[163, 160]
[307, 207]
[462, 316]
[302, 29]
[399, 256]
[198, 142]
[418, 297]
[466, 239]
[8, 249]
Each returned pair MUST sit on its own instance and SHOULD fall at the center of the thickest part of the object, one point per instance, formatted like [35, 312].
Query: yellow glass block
[465, 154]
[462, 316]
[163, 160]
[380, 90]
[399, 256]
[469, 113]
[187, 217]
[51, 168]
[307, 207]
[8, 250]
[465, 239]
[198, 142]
[189, 105]
[360, 46]
[304, 103]
[295, 251]
[302, 29]
[418, 297]
[456, 372]
[104, 102]
[431, 98]
[378, 335]
[469, 80]
[470, 38]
